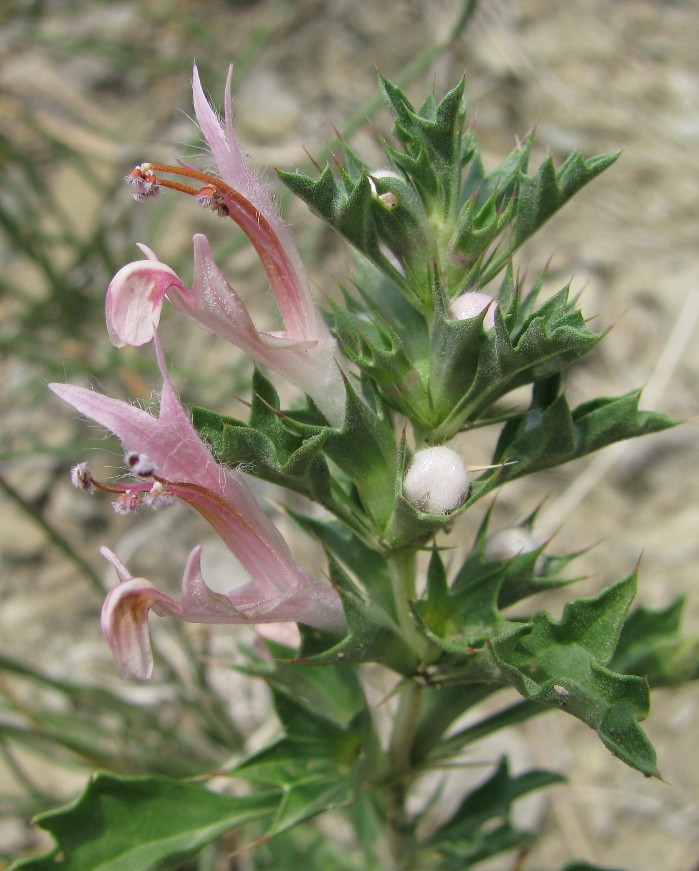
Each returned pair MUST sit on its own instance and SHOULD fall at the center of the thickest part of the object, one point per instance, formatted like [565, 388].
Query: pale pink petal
[231, 163]
[126, 608]
[134, 300]
[216, 307]
[271, 237]
[305, 601]
[125, 624]
[279, 589]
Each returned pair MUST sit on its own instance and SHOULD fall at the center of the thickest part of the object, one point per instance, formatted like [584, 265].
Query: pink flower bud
[437, 481]
[471, 304]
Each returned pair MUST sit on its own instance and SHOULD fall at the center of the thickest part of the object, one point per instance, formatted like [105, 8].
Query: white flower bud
[509, 543]
[471, 304]
[437, 481]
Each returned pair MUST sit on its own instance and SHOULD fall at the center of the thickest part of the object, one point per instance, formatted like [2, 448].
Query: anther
[144, 182]
[81, 477]
[210, 198]
[158, 497]
[128, 503]
[139, 464]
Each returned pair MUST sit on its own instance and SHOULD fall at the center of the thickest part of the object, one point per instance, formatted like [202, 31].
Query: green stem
[404, 727]
[402, 570]
[32, 790]
[401, 826]
[208, 702]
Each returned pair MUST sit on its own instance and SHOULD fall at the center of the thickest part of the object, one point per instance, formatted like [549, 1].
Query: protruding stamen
[81, 477]
[144, 182]
[154, 494]
[212, 195]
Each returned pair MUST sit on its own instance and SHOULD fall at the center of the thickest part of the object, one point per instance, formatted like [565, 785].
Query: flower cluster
[165, 455]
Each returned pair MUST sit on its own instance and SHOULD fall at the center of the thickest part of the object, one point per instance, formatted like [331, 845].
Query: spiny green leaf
[478, 225]
[388, 339]
[652, 646]
[510, 716]
[527, 572]
[311, 764]
[551, 435]
[501, 181]
[470, 369]
[365, 450]
[562, 664]
[442, 703]
[350, 212]
[333, 692]
[265, 447]
[431, 138]
[311, 742]
[542, 195]
[365, 564]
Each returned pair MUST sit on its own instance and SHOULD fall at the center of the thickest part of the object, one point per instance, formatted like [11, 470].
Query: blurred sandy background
[87, 89]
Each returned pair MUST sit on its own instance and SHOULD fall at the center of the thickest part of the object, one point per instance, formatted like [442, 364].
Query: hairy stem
[401, 826]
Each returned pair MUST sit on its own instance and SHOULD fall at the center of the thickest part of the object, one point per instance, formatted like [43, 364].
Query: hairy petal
[309, 364]
[279, 589]
[271, 237]
[125, 624]
[126, 608]
[134, 301]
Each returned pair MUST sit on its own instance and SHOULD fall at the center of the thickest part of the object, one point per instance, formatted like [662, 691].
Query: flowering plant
[437, 332]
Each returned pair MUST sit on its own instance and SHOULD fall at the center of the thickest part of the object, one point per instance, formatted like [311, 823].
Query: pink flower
[170, 461]
[304, 351]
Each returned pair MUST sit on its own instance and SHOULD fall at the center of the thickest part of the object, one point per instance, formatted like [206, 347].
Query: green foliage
[481, 827]
[266, 446]
[651, 646]
[563, 664]
[550, 434]
[122, 823]
[556, 663]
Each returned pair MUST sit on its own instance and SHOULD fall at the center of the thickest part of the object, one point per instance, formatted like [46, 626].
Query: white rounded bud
[437, 481]
[471, 304]
[509, 543]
